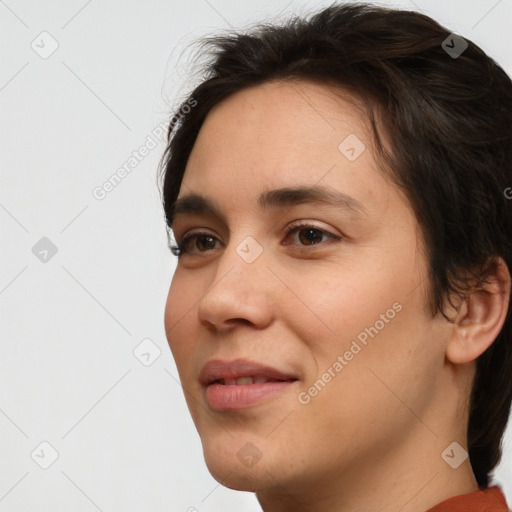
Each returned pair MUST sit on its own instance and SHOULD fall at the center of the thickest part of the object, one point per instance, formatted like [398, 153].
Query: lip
[224, 397]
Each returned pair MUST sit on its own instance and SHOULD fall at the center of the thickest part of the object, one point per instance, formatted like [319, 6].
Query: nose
[239, 293]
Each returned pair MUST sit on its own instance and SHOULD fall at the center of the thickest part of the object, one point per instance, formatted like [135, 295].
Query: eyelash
[179, 249]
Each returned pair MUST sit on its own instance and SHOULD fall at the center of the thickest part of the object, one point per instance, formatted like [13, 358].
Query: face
[296, 320]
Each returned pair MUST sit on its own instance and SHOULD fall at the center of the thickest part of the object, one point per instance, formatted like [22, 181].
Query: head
[388, 312]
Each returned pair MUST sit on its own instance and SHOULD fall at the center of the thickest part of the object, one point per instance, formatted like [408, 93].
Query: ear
[481, 316]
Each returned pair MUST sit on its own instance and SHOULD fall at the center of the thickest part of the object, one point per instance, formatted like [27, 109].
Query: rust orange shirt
[484, 500]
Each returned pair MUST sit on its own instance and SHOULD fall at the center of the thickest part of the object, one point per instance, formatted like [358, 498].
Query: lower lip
[226, 398]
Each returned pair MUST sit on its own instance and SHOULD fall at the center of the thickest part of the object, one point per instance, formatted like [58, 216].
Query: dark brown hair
[448, 119]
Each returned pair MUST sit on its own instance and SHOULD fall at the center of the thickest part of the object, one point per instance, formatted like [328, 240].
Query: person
[335, 190]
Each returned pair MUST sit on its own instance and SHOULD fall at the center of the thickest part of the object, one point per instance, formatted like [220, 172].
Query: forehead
[275, 116]
[283, 134]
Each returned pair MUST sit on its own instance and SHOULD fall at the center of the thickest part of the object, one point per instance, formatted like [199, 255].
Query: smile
[225, 397]
[240, 383]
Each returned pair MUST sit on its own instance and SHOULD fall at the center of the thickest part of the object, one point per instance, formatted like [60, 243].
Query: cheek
[370, 390]
[179, 328]
[374, 322]
[340, 308]
[391, 352]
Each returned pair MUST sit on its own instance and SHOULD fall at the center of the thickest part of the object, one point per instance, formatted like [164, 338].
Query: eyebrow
[276, 198]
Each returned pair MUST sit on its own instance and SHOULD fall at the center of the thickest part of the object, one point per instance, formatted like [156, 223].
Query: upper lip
[217, 369]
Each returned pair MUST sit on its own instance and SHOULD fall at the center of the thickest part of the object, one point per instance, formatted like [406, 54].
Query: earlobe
[481, 316]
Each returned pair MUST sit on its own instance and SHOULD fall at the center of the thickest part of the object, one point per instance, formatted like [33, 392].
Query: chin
[243, 469]
[236, 477]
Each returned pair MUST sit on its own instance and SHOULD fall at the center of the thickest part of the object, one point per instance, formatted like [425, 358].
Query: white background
[69, 326]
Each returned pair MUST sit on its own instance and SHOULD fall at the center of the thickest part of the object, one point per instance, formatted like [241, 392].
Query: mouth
[240, 383]
[243, 381]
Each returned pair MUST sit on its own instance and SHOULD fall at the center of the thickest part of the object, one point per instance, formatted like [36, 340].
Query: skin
[372, 438]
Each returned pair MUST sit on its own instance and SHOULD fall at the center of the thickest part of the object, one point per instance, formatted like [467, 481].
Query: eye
[308, 235]
[201, 239]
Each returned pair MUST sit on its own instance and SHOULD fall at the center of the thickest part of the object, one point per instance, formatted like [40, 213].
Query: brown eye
[309, 235]
[203, 242]
[207, 242]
